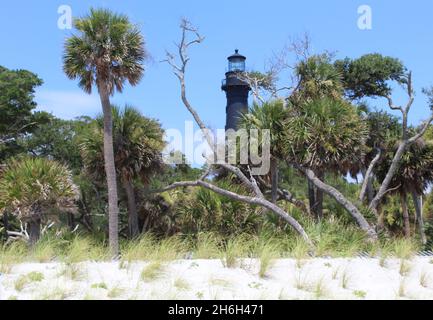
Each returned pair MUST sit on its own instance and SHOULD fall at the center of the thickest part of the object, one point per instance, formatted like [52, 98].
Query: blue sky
[31, 40]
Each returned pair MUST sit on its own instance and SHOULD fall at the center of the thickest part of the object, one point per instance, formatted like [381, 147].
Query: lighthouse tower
[236, 90]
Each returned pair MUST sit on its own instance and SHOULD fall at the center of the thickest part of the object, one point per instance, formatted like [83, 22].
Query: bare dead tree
[179, 65]
[405, 142]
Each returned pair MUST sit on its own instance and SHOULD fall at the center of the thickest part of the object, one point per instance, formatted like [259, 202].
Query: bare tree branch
[368, 175]
[405, 142]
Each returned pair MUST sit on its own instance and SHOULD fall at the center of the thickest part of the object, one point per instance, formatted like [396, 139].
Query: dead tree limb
[405, 142]
[368, 175]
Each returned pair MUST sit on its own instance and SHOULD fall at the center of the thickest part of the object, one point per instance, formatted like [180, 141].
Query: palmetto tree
[138, 143]
[32, 188]
[324, 134]
[269, 116]
[108, 51]
[415, 174]
[319, 84]
[317, 78]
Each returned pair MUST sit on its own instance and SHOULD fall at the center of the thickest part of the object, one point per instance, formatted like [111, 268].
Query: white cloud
[68, 104]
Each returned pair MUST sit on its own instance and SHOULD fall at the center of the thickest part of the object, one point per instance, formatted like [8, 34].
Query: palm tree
[269, 116]
[383, 131]
[138, 143]
[108, 51]
[32, 188]
[413, 178]
[318, 79]
[324, 134]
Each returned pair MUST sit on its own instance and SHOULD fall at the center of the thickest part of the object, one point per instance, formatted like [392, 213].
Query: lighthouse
[237, 91]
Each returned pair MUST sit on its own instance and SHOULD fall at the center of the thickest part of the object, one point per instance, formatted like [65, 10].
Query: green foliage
[318, 78]
[415, 172]
[325, 133]
[201, 210]
[17, 88]
[57, 139]
[32, 187]
[369, 75]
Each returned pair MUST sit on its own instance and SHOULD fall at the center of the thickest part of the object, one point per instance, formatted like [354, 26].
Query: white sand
[357, 278]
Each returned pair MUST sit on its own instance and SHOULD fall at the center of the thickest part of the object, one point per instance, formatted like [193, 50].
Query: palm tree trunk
[312, 197]
[274, 177]
[6, 224]
[34, 231]
[133, 229]
[71, 221]
[319, 198]
[315, 197]
[417, 200]
[110, 171]
[406, 221]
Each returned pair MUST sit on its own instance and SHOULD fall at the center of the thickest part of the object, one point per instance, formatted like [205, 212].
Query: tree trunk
[312, 197]
[319, 198]
[274, 177]
[315, 197]
[342, 200]
[110, 171]
[406, 221]
[34, 231]
[133, 229]
[417, 200]
[6, 224]
[71, 221]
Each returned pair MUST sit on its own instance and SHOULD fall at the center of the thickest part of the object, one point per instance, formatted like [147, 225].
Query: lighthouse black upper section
[237, 91]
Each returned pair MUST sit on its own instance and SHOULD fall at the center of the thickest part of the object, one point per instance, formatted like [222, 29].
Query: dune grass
[153, 271]
[149, 248]
[73, 271]
[331, 238]
[27, 279]
[207, 246]
[10, 255]
[236, 248]
[267, 251]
